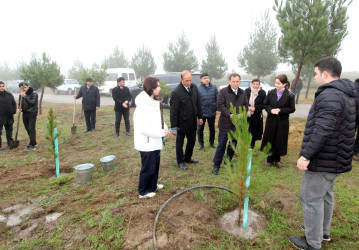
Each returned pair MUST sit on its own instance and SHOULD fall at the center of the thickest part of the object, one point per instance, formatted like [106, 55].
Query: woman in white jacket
[149, 129]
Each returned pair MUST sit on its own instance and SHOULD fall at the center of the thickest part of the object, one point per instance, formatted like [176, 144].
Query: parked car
[247, 83]
[68, 86]
[13, 86]
[111, 79]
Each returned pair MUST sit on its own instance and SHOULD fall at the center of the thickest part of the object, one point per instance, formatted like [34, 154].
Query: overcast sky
[90, 30]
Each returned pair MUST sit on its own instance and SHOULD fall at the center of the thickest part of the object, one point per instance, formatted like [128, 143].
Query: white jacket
[147, 125]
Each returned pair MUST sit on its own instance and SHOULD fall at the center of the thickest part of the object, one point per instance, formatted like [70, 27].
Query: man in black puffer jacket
[7, 111]
[29, 109]
[326, 150]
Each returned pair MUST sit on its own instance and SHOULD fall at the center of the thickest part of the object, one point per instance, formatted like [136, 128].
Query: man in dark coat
[185, 109]
[208, 95]
[238, 97]
[326, 150]
[29, 108]
[7, 111]
[90, 103]
[122, 96]
[298, 88]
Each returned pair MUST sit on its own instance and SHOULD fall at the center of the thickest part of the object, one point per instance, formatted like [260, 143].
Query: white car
[68, 87]
[247, 83]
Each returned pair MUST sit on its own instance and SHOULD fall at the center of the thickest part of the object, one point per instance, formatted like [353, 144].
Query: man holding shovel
[29, 107]
[7, 111]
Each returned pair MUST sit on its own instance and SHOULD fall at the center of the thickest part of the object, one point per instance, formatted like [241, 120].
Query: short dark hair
[120, 79]
[150, 84]
[234, 75]
[256, 80]
[283, 79]
[1, 82]
[203, 75]
[330, 64]
[23, 83]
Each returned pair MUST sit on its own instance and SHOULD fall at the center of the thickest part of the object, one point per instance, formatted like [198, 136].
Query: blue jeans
[221, 148]
[317, 197]
[149, 171]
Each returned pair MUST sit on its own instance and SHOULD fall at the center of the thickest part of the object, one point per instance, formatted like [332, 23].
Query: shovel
[73, 128]
[15, 144]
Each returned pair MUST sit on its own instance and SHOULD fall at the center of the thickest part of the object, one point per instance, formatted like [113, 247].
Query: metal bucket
[108, 163]
[84, 173]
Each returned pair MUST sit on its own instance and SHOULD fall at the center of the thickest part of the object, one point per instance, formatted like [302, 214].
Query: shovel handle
[74, 113]
[18, 119]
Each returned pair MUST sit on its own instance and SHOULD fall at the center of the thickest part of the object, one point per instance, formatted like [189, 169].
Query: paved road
[302, 110]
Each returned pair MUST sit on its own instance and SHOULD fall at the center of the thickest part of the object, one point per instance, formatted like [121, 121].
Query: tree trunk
[294, 83]
[41, 96]
[306, 94]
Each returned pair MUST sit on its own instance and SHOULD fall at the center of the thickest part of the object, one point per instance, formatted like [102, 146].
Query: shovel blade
[73, 129]
[14, 144]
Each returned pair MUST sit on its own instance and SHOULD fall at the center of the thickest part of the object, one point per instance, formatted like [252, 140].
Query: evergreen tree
[42, 73]
[179, 57]
[215, 64]
[96, 72]
[6, 73]
[259, 57]
[75, 71]
[311, 29]
[117, 60]
[143, 62]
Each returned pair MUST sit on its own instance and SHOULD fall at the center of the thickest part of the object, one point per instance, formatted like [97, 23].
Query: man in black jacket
[29, 109]
[185, 109]
[122, 96]
[326, 150]
[7, 111]
[90, 103]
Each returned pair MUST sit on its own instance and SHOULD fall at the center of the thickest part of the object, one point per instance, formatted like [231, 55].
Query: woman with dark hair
[149, 129]
[279, 103]
[256, 97]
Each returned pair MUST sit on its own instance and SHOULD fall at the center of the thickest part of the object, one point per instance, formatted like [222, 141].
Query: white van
[111, 79]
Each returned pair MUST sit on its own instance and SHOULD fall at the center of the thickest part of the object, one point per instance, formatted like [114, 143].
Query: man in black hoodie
[7, 111]
[29, 109]
[326, 150]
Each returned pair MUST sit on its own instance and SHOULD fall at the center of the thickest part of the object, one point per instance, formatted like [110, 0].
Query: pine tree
[143, 62]
[118, 59]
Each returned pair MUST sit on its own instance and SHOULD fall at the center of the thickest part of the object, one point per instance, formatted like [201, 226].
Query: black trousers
[8, 129]
[221, 148]
[275, 157]
[29, 121]
[149, 171]
[191, 140]
[212, 130]
[90, 117]
[126, 116]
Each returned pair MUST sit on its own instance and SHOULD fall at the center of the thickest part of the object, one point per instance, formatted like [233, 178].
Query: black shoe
[325, 237]
[87, 130]
[200, 147]
[92, 130]
[116, 135]
[192, 161]
[128, 133]
[182, 166]
[232, 164]
[29, 148]
[301, 243]
[215, 171]
[213, 145]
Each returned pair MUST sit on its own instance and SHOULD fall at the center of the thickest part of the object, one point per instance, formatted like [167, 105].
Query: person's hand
[124, 105]
[167, 132]
[302, 164]
[97, 108]
[22, 93]
[126, 102]
[230, 117]
[275, 111]
[174, 132]
[252, 109]
[18, 110]
[74, 97]
[200, 122]
[218, 112]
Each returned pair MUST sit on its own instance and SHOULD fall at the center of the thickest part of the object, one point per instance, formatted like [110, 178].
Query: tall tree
[259, 57]
[143, 62]
[311, 29]
[179, 56]
[96, 72]
[215, 65]
[42, 73]
[118, 59]
[75, 71]
[6, 73]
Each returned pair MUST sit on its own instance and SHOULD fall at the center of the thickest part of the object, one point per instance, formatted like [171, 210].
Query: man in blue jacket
[90, 103]
[326, 150]
[208, 93]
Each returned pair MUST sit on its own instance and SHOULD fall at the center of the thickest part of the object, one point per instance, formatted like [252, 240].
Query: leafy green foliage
[215, 65]
[259, 57]
[74, 72]
[50, 136]
[97, 73]
[118, 59]
[143, 62]
[165, 89]
[179, 57]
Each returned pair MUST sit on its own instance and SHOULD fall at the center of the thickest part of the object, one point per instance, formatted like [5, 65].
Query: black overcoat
[120, 96]
[90, 97]
[256, 119]
[185, 108]
[7, 108]
[277, 126]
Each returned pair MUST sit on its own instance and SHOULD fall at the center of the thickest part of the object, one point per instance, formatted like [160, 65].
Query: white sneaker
[149, 195]
[159, 186]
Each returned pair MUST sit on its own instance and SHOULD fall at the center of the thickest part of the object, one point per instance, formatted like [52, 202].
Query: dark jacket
[208, 96]
[90, 97]
[299, 85]
[30, 102]
[185, 108]
[356, 98]
[329, 133]
[225, 97]
[256, 119]
[277, 126]
[7, 108]
[120, 96]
